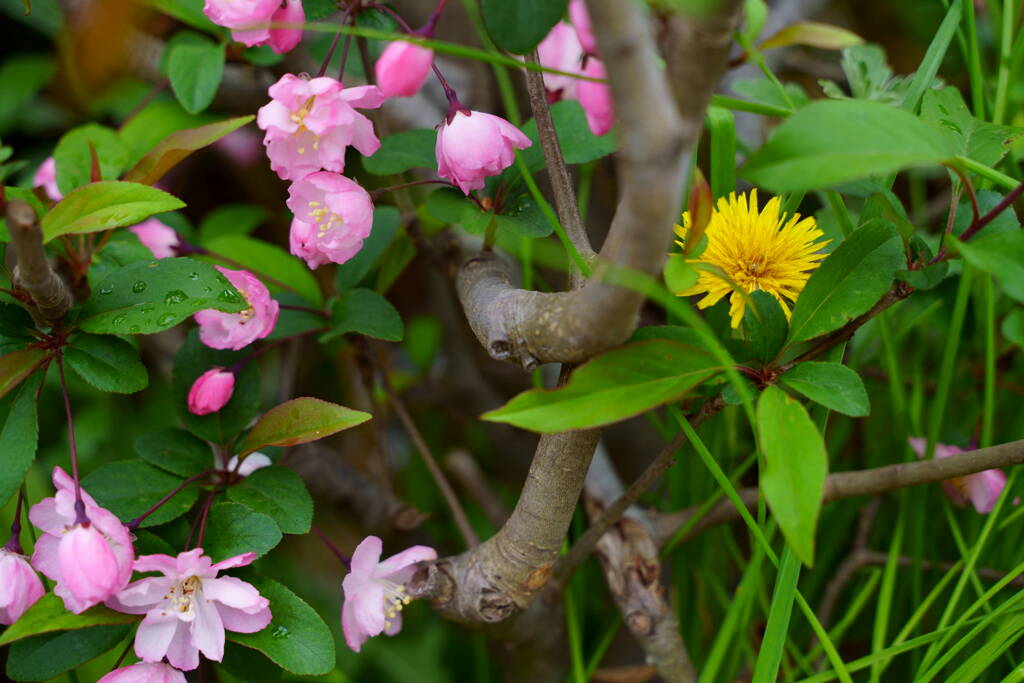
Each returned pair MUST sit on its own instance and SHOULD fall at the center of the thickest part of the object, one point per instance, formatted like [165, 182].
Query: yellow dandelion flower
[763, 250]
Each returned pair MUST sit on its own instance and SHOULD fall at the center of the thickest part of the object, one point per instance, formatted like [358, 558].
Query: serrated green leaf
[42, 657]
[519, 25]
[104, 205]
[230, 219]
[178, 145]
[233, 529]
[74, 159]
[365, 312]
[175, 451]
[300, 420]
[195, 65]
[107, 363]
[49, 614]
[385, 226]
[19, 437]
[766, 326]
[278, 493]
[984, 142]
[400, 152]
[834, 386]
[129, 488]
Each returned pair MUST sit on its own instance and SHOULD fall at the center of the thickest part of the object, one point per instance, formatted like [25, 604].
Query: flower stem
[305, 309]
[334, 43]
[428, 29]
[134, 524]
[80, 516]
[14, 542]
[237, 367]
[342, 557]
[375, 194]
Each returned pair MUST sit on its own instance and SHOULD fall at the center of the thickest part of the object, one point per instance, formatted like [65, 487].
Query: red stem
[134, 524]
[14, 542]
[345, 559]
[80, 516]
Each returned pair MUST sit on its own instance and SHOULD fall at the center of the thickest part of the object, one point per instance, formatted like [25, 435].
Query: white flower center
[181, 598]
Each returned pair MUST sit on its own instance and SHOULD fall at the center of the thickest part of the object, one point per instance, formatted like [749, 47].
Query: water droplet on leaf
[139, 287]
[166, 319]
[175, 296]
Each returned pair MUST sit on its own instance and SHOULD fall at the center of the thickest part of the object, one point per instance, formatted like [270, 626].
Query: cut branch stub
[34, 273]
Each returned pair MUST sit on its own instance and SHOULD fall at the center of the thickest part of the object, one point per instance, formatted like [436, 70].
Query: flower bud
[88, 567]
[20, 587]
[402, 68]
[211, 391]
[474, 145]
[159, 238]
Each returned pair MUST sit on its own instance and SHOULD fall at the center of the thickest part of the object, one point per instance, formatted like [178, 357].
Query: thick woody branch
[34, 273]
[859, 483]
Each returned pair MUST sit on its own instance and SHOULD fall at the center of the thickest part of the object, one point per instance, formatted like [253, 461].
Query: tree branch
[49, 292]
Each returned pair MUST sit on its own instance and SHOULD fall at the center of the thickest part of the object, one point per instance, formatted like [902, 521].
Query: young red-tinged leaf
[796, 463]
[179, 145]
[18, 365]
[49, 615]
[814, 34]
[300, 420]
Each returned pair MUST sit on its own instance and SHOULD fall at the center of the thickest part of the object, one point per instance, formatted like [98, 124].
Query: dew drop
[106, 290]
[193, 275]
[139, 287]
[175, 296]
[166, 319]
[134, 329]
[119, 320]
[227, 296]
[280, 632]
[148, 308]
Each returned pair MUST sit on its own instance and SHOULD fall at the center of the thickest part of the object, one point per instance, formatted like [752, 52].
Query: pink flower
[251, 463]
[248, 19]
[375, 591]
[474, 145]
[159, 238]
[310, 122]
[20, 587]
[982, 488]
[284, 39]
[402, 68]
[188, 608]
[561, 50]
[596, 99]
[242, 146]
[220, 330]
[333, 215]
[145, 672]
[211, 391]
[90, 561]
[580, 18]
[46, 177]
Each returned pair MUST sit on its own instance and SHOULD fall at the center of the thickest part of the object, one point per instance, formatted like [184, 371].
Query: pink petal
[244, 622]
[236, 561]
[208, 630]
[405, 560]
[232, 592]
[182, 652]
[154, 636]
[984, 489]
[367, 555]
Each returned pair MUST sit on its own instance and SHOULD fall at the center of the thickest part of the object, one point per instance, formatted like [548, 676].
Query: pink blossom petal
[154, 637]
[241, 621]
[208, 630]
[236, 561]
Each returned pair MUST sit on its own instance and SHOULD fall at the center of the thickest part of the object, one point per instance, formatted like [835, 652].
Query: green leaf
[834, 386]
[577, 143]
[766, 326]
[984, 142]
[385, 227]
[679, 275]
[156, 121]
[446, 204]
[849, 282]
[233, 529]
[769, 657]
[271, 261]
[21, 77]
[16, 328]
[279, 493]
[195, 65]
[19, 438]
[297, 639]
[300, 420]
[107, 363]
[187, 11]
[179, 145]
[616, 385]
[18, 365]
[129, 488]
[520, 214]
[48, 614]
[231, 219]
[42, 657]
[122, 249]
[364, 311]
[1012, 328]
[175, 451]
[1001, 255]
[987, 200]
[74, 160]
[400, 152]
[835, 141]
[104, 205]
[519, 25]
[143, 298]
[793, 480]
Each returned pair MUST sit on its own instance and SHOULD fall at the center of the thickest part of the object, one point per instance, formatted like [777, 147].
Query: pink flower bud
[284, 39]
[159, 238]
[580, 18]
[220, 330]
[87, 564]
[333, 215]
[145, 672]
[475, 145]
[211, 391]
[402, 68]
[249, 20]
[20, 587]
[596, 99]
[46, 177]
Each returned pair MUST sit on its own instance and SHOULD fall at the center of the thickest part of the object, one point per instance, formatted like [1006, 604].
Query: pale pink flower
[284, 39]
[981, 488]
[580, 19]
[20, 587]
[145, 672]
[333, 215]
[596, 98]
[211, 391]
[220, 330]
[310, 122]
[46, 178]
[402, 68]
[189, 608]
[248, 19]
[561, 50]
[473, 145]
[90, 561]
[251, 463]
[375, 591]
[159, 238]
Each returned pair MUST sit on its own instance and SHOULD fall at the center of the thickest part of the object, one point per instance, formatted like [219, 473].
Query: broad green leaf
[1001, 255]
[148, 297]
[107, 363]
[1012, 328]
[230, 219]
[21, 77]
[868, 74]
[761, 91]
[814, 34]
[849, 282]
[74, 160]
[194, 65]
[577, 143]
[49, 614]
[796, 463]
[233, 529]
[156, 121]
[42, 657]
[520, 214]
[519, 25]
[175, 451]
[16, 327]
[984, 142]
[104, 205]
[19, 437]
[614, 386]
[279, 493]
[269, 261]
[766, 326]
[400, 152]
[179, 145]
[679, 275]
[446, 204]
[385, 227]
[122, 249]
[187, 11]
[300, 420]
[832, 385]
[129, 488]
[835, 141]
[297, 639]
[366, 312]
[18, 365]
